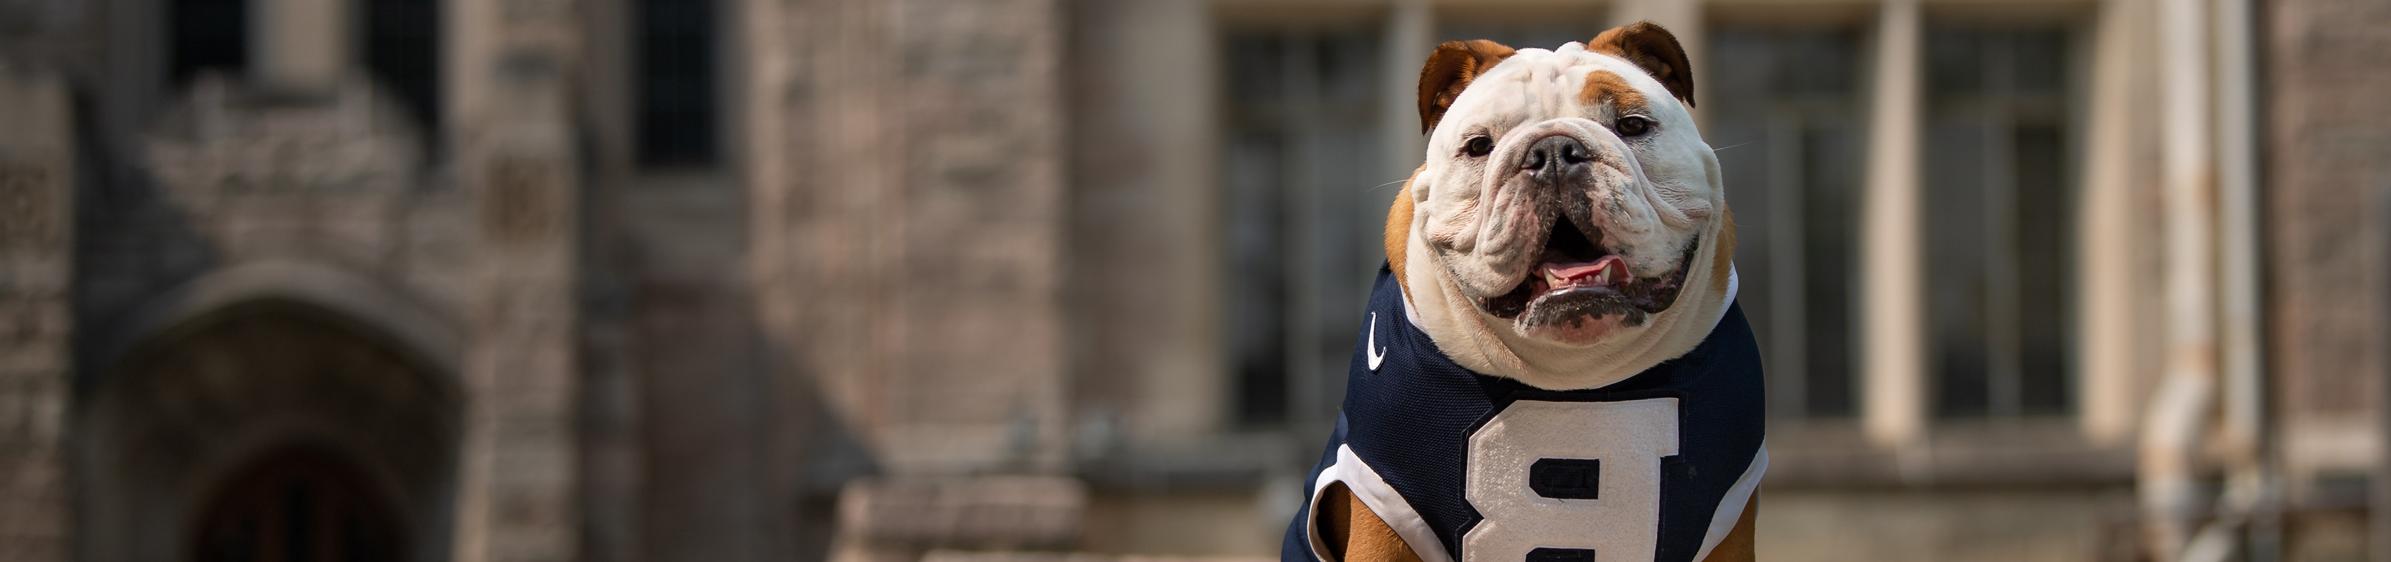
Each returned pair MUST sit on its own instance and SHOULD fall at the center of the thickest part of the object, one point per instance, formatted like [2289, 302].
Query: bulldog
[1554, 367]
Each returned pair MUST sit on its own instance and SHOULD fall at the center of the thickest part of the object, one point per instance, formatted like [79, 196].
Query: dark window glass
[1299, 216]
[2000, 222]
[676, 87]
[206, 35]
[1257, 284]
[402, 51]
[2040, 62]
[1830, 251]
[1956, 277]
[2046, 259]
[1785, 123]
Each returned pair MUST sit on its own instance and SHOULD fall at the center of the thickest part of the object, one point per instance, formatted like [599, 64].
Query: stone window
[1785, 118]
[1299, 250]
[1999, 202]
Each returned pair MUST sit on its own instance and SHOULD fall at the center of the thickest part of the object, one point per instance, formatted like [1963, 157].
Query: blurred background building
[527, 280]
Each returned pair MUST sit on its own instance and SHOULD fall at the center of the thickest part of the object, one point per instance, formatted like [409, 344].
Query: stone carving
[28, 222]
[223, 140]
[521, 201]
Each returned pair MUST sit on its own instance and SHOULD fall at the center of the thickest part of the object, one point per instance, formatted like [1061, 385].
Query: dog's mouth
[1575, 279]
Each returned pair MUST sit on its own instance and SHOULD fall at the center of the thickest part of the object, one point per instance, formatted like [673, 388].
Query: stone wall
[37, 192]
[1144, 231]
[474, 226]
[520, 497]
[910, 255]
[232, 197]
[2327, 127]
[905, 176]
[2004, 524]
[908, 244]
[675, 283]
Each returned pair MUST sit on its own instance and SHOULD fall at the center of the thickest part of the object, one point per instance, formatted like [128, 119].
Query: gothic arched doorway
[270, 430]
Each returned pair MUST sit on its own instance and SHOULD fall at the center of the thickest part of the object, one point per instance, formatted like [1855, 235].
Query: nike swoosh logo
[1376, 355]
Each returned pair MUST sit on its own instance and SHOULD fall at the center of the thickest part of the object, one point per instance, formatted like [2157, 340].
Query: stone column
[299, 45]
[2110, 268]
[978, 376]
[1410, 38]
[510, 66]
[917, 251]
[1143, 190]
[2176, 428]
[1410, 33]
[912, 259]
[519, 465]
[490, 43]
[2240, 261]
[36, 265]
[1893, 369]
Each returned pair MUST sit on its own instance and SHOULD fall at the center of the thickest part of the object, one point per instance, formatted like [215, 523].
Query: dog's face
[1565, 192]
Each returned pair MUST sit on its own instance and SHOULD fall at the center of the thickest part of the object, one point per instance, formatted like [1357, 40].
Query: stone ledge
[966, 556]
[978, 512]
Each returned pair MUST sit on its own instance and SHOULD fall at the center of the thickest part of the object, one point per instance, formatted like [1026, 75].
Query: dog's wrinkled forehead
[1570, 81]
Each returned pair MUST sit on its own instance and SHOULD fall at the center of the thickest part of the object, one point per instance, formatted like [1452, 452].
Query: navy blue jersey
[1471, 467]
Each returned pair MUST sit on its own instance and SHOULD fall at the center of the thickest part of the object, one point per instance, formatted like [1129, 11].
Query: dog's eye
[1478, 146]
[1633, 126]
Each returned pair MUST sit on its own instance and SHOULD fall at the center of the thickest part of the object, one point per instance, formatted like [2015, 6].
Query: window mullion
[1894, 383]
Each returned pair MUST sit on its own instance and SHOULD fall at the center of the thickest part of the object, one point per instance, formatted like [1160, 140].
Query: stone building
[516, 280]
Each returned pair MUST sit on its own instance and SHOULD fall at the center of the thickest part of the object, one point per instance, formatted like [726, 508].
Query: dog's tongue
[1609, 271]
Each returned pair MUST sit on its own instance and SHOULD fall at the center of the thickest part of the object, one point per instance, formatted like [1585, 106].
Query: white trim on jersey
[1382, 499]
[1734, 284]
[1730, 508]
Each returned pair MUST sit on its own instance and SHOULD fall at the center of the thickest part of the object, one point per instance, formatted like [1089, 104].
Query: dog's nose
[1556, 157]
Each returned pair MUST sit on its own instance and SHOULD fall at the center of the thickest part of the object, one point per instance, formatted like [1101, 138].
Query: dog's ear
[1451, 68]
[1652, 48]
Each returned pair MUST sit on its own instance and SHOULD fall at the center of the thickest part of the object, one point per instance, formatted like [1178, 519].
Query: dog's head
[1567, 207]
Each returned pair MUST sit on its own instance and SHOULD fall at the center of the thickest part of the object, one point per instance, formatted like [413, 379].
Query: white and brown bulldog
[1554, 368]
